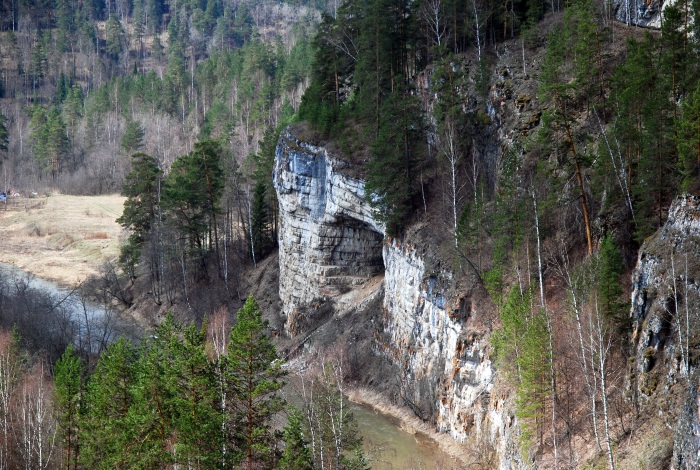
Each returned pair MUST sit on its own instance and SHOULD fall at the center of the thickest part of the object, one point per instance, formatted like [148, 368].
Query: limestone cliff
[665, 313]
[332, 251]
[329, 241]
[644, 13]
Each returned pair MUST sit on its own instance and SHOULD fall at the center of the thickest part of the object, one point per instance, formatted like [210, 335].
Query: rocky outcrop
[330, 244]
[639, 12]
[435, 332]
[647, 14]
[332, 250]
[666, 327]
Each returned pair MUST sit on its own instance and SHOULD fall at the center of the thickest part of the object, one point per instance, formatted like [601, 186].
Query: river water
[390, 448]
[87, 324]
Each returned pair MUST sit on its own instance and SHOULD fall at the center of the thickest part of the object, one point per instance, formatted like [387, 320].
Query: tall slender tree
[68, 389]
[255, 377]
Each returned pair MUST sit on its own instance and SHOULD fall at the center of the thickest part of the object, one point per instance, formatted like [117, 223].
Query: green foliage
[296, 454]
[338, 442]
[166, 403]
[397, 159]
[4, 136]
[192, 192]
[506, 223]
[68, 389]
[115, 37]
[51, 145]
[688, 141]
[254, 376]
[141, 188]
[609, 277]
[521, 345]
[264, 199]
[260, 222]
[106, 431]
[132, 140]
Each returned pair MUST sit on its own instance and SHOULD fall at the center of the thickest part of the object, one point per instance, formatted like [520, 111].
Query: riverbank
[407, 421]
[59, 237]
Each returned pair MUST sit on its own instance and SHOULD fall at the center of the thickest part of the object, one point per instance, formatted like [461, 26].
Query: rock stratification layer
[329, 240]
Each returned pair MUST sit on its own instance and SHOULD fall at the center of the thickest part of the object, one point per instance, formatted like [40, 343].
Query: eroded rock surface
[332, 250]
[666, 327]
[329, 242]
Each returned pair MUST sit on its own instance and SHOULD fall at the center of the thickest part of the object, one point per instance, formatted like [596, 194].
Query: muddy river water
[390, 448]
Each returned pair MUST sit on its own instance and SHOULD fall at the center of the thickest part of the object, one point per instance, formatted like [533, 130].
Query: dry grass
[64, 238]
[97, 236]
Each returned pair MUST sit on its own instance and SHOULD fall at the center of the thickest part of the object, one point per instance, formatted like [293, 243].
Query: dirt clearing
[59, 237]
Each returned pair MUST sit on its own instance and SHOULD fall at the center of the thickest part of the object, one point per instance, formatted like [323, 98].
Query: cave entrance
[355, 258]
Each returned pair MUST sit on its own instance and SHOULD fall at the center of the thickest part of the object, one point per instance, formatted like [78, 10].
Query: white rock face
[329, 241]
[426, 337]
[331, 248]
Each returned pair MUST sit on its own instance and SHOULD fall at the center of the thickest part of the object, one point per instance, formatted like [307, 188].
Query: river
[391, 448]
[61, 312]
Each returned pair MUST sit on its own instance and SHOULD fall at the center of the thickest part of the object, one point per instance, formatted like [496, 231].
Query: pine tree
[254, 376]
[192, 195]
[560, 92]
[68, 387]
[114, 33]
[142, 191]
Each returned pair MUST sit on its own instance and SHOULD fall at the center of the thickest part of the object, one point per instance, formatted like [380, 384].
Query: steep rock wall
[329, 241]
[434, 332]
[664, 374]
[644, 13]
[330, 249]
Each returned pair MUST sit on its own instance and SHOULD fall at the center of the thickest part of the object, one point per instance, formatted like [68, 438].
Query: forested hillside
[85, 84]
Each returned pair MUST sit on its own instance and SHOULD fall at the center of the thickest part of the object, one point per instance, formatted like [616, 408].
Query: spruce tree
[106, 432]
[197, 418]
[296, 454]
[132, 140]
[397, 158]
[260, 222]
[688, 141]
[4, 136]
[609, 275]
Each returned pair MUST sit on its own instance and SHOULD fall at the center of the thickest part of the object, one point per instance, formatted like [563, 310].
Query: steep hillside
[505, 315]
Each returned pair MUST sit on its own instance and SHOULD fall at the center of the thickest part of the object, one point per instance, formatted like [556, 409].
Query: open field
[59, 237]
